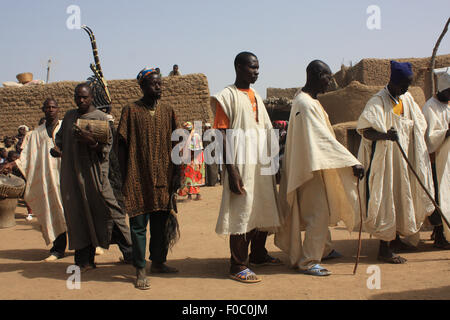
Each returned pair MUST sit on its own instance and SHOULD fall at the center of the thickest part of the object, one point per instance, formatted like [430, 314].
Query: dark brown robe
[145, 146]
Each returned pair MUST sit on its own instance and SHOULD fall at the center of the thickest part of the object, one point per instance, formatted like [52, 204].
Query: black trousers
[59, 245]
[158, 247]
[239, 249]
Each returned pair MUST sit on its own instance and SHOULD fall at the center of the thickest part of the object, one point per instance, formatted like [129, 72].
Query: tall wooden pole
[433, 57]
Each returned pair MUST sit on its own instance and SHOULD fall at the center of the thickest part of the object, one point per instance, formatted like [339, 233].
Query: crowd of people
[83, 188]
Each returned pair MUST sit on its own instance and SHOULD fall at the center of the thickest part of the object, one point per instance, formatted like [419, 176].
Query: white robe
[397, 203]
[317, 168]
[258, 208]
[42, 191]
[437, 115]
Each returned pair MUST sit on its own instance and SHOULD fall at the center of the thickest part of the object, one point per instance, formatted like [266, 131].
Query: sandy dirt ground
[203, 260]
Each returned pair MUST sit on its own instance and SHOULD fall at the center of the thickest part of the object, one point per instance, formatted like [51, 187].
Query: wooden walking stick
[438, 209]
[358, 253]
[433, 56]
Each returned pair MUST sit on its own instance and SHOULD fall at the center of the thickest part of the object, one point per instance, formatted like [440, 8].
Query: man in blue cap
[396, 205]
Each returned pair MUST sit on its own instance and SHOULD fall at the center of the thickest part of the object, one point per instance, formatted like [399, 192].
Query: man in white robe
[318, 181]
[437, 114]
[42, 172]
[249, 207]
[396, 205]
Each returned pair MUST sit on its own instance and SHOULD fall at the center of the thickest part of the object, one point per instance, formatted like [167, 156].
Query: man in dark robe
[87, 195]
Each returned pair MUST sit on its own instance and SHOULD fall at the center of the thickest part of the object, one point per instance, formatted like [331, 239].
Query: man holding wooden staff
[396, 203]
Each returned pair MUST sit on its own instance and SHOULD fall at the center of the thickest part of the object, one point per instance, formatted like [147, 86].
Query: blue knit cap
[400, 71]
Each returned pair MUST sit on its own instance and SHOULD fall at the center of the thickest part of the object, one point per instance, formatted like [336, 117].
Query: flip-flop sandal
[270, 261]
[316, 270]
[143, 284]
[332, 255]
[243, 276]
[394, 260]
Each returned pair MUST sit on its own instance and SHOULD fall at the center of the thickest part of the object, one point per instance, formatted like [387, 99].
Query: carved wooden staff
[97, 69]
[438, 209]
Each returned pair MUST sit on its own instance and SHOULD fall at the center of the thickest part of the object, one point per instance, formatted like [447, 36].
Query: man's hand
[392, 134]
[358, 171]
[235, 180]
[55, 152]
[85, 135]
[373, 135]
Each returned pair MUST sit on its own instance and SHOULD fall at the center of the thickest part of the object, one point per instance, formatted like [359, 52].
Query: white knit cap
[443, 78]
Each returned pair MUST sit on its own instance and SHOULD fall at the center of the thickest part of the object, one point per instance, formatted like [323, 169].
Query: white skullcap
[443, 78]
[25, 127]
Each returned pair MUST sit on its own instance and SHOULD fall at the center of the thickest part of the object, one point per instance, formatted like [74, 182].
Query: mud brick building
[188, 94]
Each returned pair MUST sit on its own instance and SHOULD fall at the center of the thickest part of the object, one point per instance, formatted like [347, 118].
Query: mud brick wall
[376, 72]
[347, 104]
[281, 93]
[188, 94]
[342, 105]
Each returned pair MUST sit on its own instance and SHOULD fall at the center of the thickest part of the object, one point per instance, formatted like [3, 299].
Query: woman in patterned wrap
[193, 167]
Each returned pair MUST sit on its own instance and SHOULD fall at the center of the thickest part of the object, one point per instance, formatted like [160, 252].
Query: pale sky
[204, 36]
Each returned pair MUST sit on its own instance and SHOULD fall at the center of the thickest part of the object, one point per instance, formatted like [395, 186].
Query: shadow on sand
[33, 267]
[28, 263]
